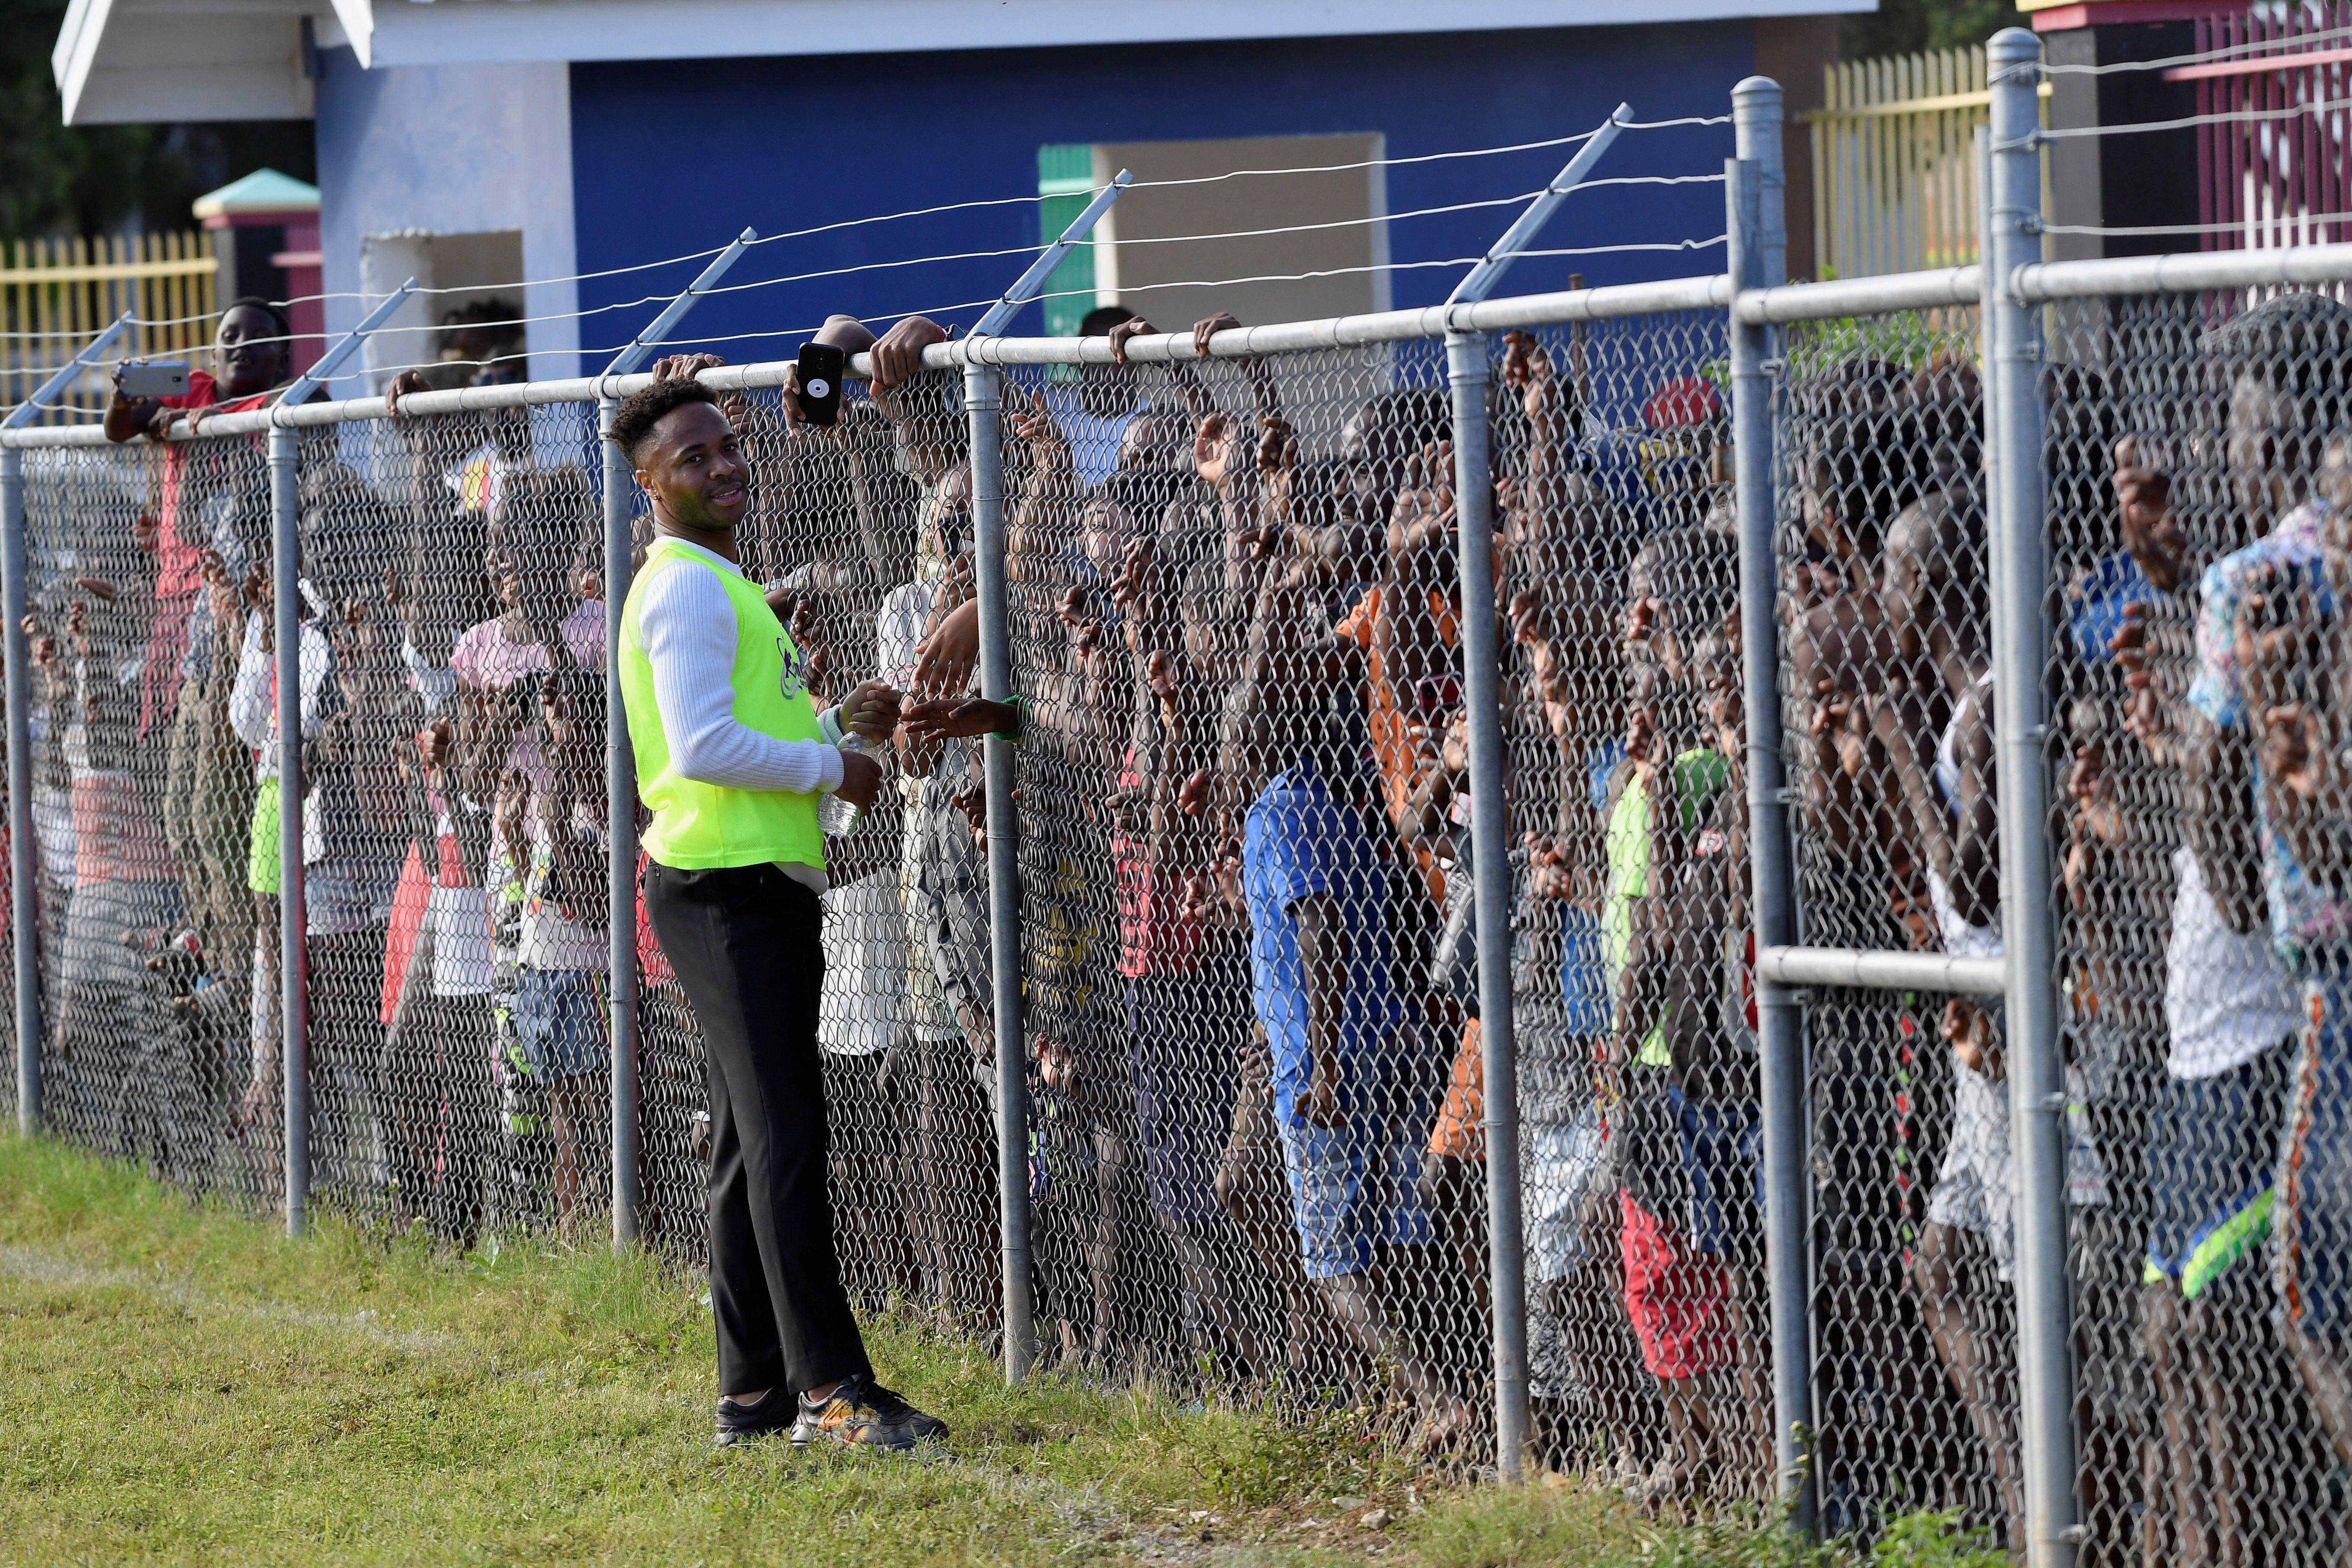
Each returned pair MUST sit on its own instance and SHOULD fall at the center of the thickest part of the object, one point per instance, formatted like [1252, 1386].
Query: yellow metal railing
[1894, 186]
[56, 294]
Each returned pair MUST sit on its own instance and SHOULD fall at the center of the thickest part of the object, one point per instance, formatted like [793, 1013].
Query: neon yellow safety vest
[699, 825]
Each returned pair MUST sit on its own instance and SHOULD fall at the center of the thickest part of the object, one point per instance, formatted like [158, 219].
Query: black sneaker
[861, 1414]
[742, 1422]
[924, 1425]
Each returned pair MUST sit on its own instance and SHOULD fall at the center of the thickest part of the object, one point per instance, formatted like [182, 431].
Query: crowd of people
[1252, 1051]
[1249, 966]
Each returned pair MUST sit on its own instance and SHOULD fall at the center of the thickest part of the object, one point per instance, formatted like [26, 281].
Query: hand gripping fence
[1723, 885]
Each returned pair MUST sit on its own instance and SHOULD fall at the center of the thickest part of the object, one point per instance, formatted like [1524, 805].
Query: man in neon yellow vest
[731, 758]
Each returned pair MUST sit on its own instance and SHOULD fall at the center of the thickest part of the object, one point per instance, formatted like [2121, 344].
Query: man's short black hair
[633, 421]
[1099, 321]
[277, 313]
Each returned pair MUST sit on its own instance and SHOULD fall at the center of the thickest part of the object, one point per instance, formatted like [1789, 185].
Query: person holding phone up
[733, 758]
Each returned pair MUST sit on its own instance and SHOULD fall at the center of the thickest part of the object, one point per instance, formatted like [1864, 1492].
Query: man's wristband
[1020, 721]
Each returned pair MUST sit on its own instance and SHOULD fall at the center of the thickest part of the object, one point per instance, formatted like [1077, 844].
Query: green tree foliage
[95, 179]
[1907, 26]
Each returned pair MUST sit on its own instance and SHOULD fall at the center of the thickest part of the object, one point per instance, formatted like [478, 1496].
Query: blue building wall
[675, 158]
[445, 149]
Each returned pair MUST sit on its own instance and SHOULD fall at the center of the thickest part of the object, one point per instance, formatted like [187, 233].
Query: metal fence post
[1758, 257]
[620, 864]
[21, 869]
[620, 762]
[1482, 695]
[293, 978]
[2036, 1075]
[983, 391]
[286, 599]
[22, 849]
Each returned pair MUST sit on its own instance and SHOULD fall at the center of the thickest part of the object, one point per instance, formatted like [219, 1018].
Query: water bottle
[836, 814]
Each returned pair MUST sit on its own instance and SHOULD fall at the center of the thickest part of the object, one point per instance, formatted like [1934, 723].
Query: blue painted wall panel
[675, 157]
[447, 150]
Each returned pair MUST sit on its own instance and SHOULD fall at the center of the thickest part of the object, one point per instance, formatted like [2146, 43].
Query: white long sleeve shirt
[253, 714]
[688, 629]
[253, 701]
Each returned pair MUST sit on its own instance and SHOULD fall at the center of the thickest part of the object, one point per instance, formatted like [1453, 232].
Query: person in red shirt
[251, 356]
[208, 501]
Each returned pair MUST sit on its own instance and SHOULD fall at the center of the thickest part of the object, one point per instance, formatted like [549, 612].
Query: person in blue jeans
[1321, 983]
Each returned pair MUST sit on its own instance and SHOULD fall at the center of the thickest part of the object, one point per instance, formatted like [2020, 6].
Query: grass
[179, 1383]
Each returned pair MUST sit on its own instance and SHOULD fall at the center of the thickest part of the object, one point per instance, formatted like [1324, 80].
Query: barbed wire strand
[958, 206]
[2231, 117]
[2283, 220]
[936, 311]
[1030, 249]
[2208, 56]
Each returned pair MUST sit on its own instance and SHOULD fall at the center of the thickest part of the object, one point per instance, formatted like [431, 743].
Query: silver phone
[156, 379]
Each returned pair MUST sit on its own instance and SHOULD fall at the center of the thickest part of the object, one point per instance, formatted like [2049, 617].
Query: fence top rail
[1711, 292]
[2190, 272]
[1882, 295]
[2035, 283]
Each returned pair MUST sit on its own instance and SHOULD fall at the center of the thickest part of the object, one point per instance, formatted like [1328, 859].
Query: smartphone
[820, 368]
[140, 381]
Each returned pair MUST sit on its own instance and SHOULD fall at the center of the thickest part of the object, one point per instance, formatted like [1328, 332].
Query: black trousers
[743, 941]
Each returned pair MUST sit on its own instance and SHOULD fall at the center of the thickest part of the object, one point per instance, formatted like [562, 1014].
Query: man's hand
[1036, 426]
[1192, 796]
[1126, 333]
[937, 718]
[972, 801]
[1057, 1064]
[400, 386]
[1208, 327]
[898, 354]
[1422, 515]
[1642, 740]
[861, 779]
[1969, 1032]
[1842, 726]
[1277, 444]
[1318, 1103]
[1641, 619]
[1528, 371]
[1212, 450]
[1549, 872]
[684, 366]
[1133, 581]
[872, 710]
[2095, 822]
[435, 744]
[943, 665]
[1454, 753]
[2151, 531]
[2295, 752]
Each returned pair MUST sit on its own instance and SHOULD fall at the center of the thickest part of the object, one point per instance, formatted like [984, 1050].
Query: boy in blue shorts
[1319, 969]
[558, 1002]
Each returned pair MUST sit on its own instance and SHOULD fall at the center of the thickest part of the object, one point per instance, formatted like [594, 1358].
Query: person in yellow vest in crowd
[732, 760]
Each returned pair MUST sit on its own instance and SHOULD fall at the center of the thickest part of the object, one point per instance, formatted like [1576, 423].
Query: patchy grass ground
[178, 1383]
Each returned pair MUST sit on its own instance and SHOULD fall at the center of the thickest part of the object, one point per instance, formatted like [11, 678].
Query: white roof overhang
[217, 59]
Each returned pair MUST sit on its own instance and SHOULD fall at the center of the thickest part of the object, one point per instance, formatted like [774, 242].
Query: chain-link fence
[1811, 611]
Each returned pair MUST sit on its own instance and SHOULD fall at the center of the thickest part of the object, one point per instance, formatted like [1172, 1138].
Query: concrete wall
[675, 157]
[410, 150]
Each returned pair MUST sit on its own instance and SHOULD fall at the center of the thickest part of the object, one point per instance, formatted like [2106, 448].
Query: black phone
[820, 368]
[141, 380]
